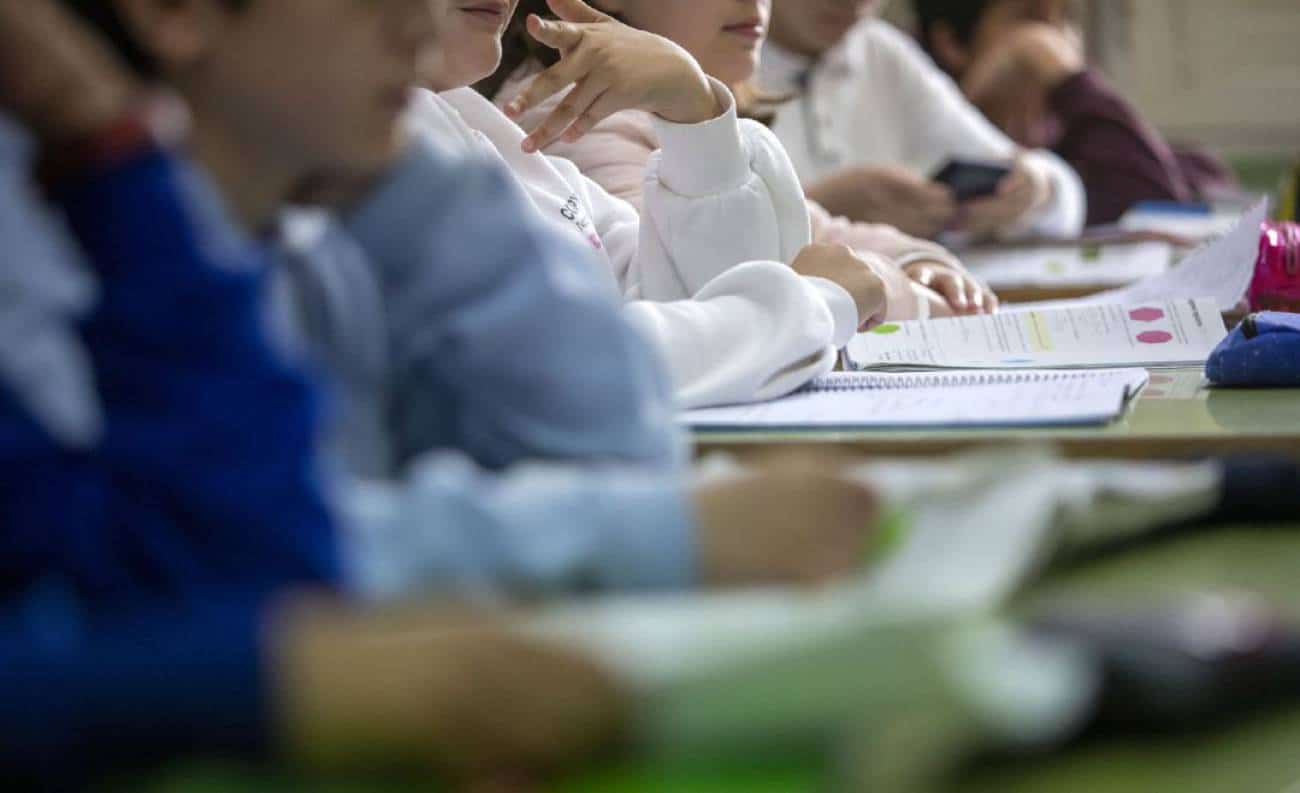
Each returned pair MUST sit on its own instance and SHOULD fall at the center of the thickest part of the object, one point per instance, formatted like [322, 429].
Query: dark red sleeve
[1121, 158]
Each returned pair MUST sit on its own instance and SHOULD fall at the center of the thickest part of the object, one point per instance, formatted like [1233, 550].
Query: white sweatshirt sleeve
[756, 332]
[943, 124]
[717, 194]
[753, 330]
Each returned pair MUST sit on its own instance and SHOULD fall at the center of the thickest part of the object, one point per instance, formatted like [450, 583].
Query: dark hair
[518, 48]
[963, 16]
[103, 15]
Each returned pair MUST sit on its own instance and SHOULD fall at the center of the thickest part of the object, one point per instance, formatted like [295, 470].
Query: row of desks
[1256, 755]
[1178, 416]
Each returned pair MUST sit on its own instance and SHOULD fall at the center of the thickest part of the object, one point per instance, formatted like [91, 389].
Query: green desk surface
[1177, 415]
[1254, 756]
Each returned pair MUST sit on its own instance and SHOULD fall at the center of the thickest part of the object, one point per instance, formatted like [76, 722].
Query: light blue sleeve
[47, 291]
[535, 428]
[537, 529]
[506, 343]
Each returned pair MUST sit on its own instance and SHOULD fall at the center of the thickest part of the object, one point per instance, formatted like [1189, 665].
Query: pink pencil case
[1276, 285]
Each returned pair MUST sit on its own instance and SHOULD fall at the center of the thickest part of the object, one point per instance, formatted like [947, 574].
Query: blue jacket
[86, 696]
[155, 448]
[201, 473]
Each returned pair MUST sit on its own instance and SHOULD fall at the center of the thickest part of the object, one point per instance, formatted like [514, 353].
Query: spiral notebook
[884, 400]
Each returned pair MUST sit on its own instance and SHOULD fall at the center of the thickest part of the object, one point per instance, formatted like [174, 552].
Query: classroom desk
[1257, 755]
[1176, 416]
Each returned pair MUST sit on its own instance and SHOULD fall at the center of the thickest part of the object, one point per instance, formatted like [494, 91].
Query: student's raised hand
[856, 274]
[57, 76]
[890, 195]
[434, 692]
[1022, 191]
[790, 525]
[962, 292]
[612, 67]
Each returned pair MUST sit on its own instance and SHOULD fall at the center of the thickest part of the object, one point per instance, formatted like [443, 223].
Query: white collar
[782, 71]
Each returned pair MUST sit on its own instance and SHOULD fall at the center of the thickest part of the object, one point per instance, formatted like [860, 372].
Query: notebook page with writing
[1169, 334]
[938, 400]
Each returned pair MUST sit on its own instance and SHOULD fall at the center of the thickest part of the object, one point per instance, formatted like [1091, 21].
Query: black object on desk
[1192, 665]
[970, 180]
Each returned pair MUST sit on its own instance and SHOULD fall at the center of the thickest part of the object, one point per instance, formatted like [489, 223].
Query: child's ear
[175, 33]
[948, 50]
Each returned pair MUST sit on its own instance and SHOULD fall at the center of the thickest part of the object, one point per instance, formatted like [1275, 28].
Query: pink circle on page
[1155, 337]
[1146, 314]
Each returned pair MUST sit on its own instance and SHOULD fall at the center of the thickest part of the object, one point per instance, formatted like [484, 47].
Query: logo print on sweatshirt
[574, 212]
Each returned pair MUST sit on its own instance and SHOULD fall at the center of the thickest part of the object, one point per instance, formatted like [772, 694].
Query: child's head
[959, 32]
[469, 40]
[811, 27]
[311, 84]
[723, 35]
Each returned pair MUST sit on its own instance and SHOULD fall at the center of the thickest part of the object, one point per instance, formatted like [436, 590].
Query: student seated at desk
[160, 490]
[706, 272]
[505, 429]
[871, 118]
[1022, 63]
[625, 136]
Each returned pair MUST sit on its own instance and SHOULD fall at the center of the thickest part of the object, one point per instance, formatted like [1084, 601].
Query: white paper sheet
[1070, 265]
[1155, 334]
[972, 541]
[1221, 270]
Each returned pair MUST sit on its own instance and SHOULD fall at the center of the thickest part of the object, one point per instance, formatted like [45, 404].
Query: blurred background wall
[1224, 73]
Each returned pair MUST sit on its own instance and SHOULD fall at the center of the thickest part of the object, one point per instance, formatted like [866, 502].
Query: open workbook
[1154, 335]
[881, 400]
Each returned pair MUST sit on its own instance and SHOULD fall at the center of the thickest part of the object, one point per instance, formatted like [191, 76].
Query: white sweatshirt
[878, 99]
[725, 214]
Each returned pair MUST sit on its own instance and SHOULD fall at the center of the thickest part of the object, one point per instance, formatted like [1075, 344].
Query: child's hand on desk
[784, 526]
[961, 292]
[860, 276]
[434, 692]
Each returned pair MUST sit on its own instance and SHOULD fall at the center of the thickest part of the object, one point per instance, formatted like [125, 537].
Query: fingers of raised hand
[576, 108]
[576, 11]
[557, 35]
[546, 85]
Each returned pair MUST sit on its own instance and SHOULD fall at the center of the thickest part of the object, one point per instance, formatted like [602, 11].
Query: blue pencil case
[1264, 350]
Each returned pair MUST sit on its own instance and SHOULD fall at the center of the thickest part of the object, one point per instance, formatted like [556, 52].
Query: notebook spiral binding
[858, 381]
